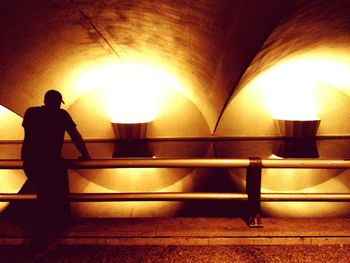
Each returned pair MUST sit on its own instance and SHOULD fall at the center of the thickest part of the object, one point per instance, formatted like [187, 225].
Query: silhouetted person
[44, 129]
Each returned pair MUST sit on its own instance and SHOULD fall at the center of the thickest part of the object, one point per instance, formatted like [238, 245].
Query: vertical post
[253, 189]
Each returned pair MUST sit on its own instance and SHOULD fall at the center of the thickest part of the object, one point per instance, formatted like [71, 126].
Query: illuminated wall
[302, 72]
[190, 68]
[313, 84]
[139, 180]
[11, 181]
[184, 50]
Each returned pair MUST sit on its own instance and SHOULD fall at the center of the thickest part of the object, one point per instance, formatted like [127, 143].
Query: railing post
[253, 189]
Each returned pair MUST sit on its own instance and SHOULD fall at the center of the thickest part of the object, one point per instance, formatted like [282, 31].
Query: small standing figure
[44, 129]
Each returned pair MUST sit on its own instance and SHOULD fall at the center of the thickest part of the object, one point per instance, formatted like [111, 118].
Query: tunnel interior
[205, 79]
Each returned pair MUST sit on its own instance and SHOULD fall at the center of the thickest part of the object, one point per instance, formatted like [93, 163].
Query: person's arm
[79, 143]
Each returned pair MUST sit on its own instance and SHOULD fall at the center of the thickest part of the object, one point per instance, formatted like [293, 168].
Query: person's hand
[84, 158]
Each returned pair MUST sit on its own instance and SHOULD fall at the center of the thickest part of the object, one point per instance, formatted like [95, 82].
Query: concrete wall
[208, 68]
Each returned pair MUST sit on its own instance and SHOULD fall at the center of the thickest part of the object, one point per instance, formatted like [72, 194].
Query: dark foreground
[261, 254]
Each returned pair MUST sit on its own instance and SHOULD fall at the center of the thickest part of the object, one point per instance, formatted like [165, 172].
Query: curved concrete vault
[214, 60]
[206, 45]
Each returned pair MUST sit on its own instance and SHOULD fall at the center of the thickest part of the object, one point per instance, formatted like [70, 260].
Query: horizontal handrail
[302, 163]
[314, 197]
[191, 163]
[253, 194]
[185, 196]
[140, 163]
[136, 196]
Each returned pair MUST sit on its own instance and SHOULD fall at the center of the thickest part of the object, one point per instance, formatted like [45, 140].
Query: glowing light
[291, 87]
[11, 181]
[131, 92]
[2, 110]
[12, 124]
[131, 180]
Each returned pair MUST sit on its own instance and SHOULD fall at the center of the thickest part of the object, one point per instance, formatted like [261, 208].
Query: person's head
[53, 99]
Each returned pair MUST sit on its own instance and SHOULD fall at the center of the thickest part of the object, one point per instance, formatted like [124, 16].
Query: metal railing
[252, 196]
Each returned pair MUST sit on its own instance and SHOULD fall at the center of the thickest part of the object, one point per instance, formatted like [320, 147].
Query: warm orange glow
[2, 110]
[304, 180]
[300, 180]
[131, 92]
[11, 181]
[11, 124]
[291, 87]
[130, 180]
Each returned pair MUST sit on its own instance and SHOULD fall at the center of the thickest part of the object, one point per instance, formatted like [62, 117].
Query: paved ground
[198, 254]
[183, 239]
[189, 231]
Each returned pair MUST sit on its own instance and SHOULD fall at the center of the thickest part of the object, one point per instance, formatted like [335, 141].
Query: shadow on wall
[143, 180]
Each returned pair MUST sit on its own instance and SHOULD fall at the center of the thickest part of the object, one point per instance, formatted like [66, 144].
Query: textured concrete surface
[184, 239]
[190, 231]
[208, 42]
[261, 254]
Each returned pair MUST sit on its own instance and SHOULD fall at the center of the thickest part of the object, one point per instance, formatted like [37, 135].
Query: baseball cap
[53, 95]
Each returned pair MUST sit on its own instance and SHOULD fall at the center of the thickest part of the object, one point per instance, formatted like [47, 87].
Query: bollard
[253, 189]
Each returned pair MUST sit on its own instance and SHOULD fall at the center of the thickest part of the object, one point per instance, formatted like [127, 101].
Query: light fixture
[130, 140]
[130, 131]
[302, 129]
[299, 138]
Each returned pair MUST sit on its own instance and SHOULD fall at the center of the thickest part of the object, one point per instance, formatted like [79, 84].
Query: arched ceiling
[301, 71]
[207, 46]
[315, 24]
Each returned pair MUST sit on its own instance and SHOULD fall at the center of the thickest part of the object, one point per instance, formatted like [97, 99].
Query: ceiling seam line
[94, 27]
[227, 101]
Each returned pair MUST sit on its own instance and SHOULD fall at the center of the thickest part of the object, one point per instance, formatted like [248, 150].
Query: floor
[186, 239]
[180, 254]
[190, 231]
